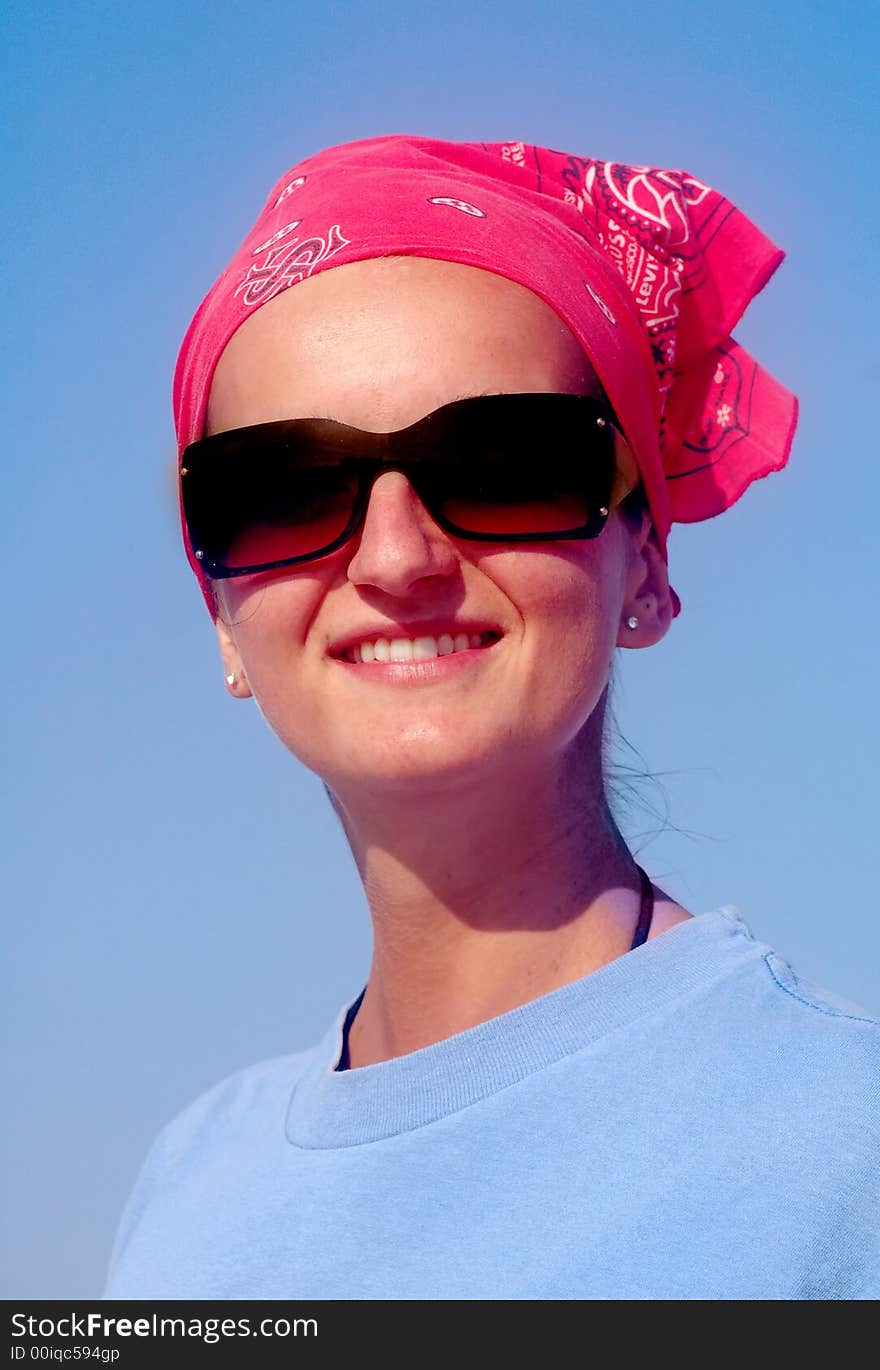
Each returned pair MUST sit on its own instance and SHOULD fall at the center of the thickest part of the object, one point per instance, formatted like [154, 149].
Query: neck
[501, 891]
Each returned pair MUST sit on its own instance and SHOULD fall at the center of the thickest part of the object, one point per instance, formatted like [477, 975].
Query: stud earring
[632, 621]
[230, 680]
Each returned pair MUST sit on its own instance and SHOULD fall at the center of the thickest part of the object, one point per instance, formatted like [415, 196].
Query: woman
[427, 493]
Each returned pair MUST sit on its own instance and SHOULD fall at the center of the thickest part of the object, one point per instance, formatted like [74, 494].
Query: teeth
[414, 649]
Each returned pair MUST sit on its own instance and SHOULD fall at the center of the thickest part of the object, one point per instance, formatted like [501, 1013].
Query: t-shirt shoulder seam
[827, 1009]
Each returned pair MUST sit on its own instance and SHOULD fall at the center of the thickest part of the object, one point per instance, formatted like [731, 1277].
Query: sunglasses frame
[387, 453]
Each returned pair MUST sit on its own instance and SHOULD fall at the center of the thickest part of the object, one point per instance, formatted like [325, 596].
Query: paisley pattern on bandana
[661, 229]
[285, 266]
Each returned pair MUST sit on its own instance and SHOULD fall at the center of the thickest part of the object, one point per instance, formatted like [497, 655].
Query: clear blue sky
[179, 898]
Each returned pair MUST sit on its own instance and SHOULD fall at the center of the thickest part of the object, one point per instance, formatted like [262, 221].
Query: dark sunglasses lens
[250, 509]
[524, 470]
[504, 497]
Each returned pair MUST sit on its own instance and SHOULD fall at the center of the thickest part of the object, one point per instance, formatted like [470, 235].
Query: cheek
[567, 596]
[270, 623]
[568, 602]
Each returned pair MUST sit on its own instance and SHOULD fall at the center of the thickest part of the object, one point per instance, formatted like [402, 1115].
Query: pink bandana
[650, 269]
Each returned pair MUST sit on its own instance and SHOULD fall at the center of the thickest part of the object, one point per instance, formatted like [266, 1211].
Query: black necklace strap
[646, 914]
[344, 1059]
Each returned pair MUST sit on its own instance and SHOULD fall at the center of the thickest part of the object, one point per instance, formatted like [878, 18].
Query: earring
[230, 680]
[632, 621]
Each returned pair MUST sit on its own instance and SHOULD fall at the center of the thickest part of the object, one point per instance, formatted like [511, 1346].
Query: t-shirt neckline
[331, 1109]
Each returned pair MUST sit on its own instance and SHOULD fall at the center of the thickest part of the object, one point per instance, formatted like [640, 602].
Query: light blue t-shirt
[690, 1121]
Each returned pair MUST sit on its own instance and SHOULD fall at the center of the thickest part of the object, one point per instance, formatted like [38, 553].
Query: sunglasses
[494, 468]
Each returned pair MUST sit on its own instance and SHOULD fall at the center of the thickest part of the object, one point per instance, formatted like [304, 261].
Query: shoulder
[243, 1102]
[737, 955]
[829, 1005]
[732, 1008]
[221, 1123]
[816, 1052]
[819, 1013]
[225, 1120]
[834, 1039]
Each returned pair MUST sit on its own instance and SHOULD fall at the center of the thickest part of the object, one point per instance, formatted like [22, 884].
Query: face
[378, 344]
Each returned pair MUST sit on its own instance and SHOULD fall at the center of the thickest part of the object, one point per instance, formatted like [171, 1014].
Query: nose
[398, 542]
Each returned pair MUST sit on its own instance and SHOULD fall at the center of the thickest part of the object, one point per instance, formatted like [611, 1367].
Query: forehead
[380, 342]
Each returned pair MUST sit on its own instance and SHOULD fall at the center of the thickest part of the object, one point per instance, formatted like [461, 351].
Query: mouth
[414, 650]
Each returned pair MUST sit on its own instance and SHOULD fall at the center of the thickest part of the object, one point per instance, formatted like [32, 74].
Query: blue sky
[181, 901]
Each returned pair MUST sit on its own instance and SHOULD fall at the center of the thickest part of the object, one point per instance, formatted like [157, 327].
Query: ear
[648, 594]
[232, 663]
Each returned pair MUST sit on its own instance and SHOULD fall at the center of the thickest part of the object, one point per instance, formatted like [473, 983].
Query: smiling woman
[427, 495]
